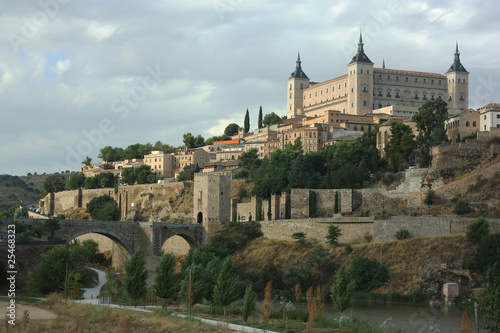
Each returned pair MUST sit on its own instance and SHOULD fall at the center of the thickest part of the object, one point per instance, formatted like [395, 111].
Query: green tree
[336, 203]
[103, 208]
[87, 161]
[246, 122]
[232, 237]
[400, 146]
[189, 140]
[76, 181]
[199, 141]
[334, 233]
[270, 119]
[111, 154]
[226, 287]
[249, 300]
[260, 117]
[188, 172]
[367, 274]
[165, 279]
[299, 237]
[430, 124]
[231, 129]
[209, 279]
[487, 254]
[135, 278]
[113, 286]
[128, 176]
[51, 226]
[477, 230]
[54, 183]
[250, 158]
[489, 302]
[462, 207]
[91, 182]
[105, 179]
[342, 289]
[165, 148]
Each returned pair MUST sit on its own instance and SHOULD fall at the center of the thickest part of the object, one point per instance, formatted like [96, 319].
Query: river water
[410, 318]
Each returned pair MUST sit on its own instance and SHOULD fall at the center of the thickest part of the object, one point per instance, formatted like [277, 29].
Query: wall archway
[199, 218]
[108, 233]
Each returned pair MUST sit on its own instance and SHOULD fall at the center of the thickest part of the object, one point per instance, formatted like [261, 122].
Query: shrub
[242, 193]
[430, 197]
[477, 230]
[242, 174]
[368, 274]
[334, 233]
[299, 237]
[348, 248]
[488, 253]
[402, 234]
[462, 207]
[368, 237]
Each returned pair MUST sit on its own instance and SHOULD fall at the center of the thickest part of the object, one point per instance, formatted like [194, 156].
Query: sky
[79, 75]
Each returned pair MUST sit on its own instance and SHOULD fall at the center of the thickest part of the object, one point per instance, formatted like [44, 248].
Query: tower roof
[457, 65]
[298, 72]
[360, 55]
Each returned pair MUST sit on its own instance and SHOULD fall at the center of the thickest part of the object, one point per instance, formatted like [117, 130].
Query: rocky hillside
[421, 263]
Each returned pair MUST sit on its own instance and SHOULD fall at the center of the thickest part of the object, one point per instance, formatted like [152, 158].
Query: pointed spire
[360, 44]
[298, 72]
[383, 63]
[457, 65]
[360, 55]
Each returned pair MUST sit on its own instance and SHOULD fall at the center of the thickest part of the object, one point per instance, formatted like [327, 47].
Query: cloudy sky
[78, 75]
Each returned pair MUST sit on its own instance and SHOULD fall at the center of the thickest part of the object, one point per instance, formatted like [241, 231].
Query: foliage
[242, 174]
[87, 161]
[231, 129]
[402, 234]
[342, 289]
[76, 181]
[430, 197]
[142, 175]
[242, 193]
[302, 173]
[234, 236]
[91, 182]
[209, 278]
[477, 230]
[50, 274]
[225, 290]
[223, 137]
[334, 232]
[489, 303]
[270, 119]
[367, 274]
[103, 208]
[400, 146]
[165, 280]
[367, 237]
[462, 207]
[246, 122]
[299, 237]
[250, 159]
[188, 172]
[336, 203]
[190, 141]
[136, 275]
[197, 292]
[113, 286]
[430, 124]
[348, 248]
[249, 299]
[54, 183]
[260, 118]
[487, 254]
[51, 226]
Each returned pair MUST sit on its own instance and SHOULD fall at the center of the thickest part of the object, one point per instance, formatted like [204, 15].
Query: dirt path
[34, 312]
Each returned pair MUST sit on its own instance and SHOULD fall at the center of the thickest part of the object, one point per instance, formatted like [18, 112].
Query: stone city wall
[384, 230]
[353, 228]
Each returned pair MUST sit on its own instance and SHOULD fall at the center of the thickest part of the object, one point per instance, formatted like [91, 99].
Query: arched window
[473, 124]
[467, 123]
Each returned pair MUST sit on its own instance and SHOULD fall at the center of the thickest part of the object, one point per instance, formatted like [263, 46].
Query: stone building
[161, 164]
[464, 124]
[490, 118]
[365, 88]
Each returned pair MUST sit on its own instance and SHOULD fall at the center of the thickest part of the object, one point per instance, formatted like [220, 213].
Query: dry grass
[80, 318]
[406, 260]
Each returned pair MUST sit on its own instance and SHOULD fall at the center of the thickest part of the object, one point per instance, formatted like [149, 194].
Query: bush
[462, 207]
[402, 234]
[367, 237]
[477, 230]
[334, 233]
[242, 174]
[430, 197]
[242, 193]
[348, 249]
[299, 237]
[488, 253]
[368, 274]
[103, 208]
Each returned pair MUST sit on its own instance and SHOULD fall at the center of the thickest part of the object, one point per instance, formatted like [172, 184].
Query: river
[410, 318]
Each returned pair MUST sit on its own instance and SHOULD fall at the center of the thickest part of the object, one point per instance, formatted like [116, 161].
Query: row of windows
[407, 79]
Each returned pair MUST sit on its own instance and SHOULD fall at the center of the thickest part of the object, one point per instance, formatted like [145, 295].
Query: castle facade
[365, 88]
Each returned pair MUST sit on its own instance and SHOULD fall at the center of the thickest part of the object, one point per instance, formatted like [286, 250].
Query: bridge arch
[193, 244]
[104, 232]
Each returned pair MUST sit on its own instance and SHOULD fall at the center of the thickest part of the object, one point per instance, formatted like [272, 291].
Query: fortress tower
[458, 85]
[360, 82]
[212, 200]
[297, 82]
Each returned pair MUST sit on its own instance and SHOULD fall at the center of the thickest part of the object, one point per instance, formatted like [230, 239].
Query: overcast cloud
[77, 75]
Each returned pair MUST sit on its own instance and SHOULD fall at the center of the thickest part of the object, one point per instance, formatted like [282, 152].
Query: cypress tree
[247, 122]
[165, 279]
[226, 287]
[260, 117]
[136, 276]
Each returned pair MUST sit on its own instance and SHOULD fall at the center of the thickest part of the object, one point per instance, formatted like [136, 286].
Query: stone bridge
[149, 236]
